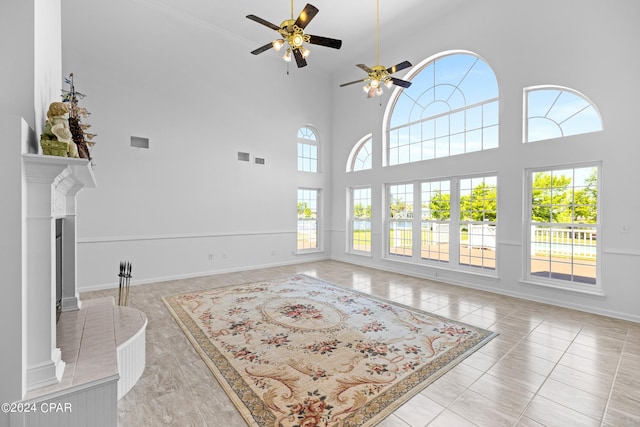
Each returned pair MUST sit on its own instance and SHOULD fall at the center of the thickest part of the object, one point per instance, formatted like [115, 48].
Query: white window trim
[353, 155]
[319, 225]
[529, 279]
[393, 99]
[525, 109]
[311, 142]
[350, 219]
[454, 228]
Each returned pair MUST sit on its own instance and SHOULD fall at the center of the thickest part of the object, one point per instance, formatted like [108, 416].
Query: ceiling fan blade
[372, 92]
[352, 83]
[398, 67]
[262, 48]
[365, 68]
[325, 41]
[263, 22]
[400, 82]
[306, 16]
[299, 58]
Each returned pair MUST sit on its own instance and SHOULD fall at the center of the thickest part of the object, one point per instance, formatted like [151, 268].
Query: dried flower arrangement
[81, 137]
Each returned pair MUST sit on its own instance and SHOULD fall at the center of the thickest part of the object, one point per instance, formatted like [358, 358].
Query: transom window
[451, 108]
[307, 150]
[555, 112]
[361, 220]
[360, 157]
[563, 226]
[307, 219]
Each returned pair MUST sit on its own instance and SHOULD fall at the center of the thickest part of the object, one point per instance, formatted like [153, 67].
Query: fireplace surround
[51, 184]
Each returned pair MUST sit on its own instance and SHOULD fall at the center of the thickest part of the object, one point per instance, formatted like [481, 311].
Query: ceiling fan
[292, 34]
[379, 75]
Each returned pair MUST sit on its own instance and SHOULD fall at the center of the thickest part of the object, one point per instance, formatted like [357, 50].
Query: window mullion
[454, 226]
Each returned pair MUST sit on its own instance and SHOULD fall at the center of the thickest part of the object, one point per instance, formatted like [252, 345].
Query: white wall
[29, 80]
[584, 45]
[17, 71]
[30, 76]
[200, 97]
[12, 247]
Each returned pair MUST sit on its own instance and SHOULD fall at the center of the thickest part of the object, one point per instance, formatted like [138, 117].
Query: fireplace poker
[121, 280]
[128, 279]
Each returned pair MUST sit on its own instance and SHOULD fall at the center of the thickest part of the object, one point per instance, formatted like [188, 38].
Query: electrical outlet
[210, 257]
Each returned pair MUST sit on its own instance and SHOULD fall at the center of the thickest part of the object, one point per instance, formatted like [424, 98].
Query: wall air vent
[139, 142]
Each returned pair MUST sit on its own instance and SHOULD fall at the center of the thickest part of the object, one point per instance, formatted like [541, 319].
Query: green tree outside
[304, 211]
[480, 205]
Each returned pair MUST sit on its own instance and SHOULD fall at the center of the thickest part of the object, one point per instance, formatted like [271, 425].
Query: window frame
[311, 143]
[526, 118]
[354, 155]
[352, 220]
[571, 285]
[395, 97]
[455, 222]
[317, 222]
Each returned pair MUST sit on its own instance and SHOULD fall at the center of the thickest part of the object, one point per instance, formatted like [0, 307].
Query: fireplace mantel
[52, 184]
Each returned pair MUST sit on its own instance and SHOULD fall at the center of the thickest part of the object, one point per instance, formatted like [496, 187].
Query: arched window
[360, 157]
[451, 108]
[307, 150]
[555, 112]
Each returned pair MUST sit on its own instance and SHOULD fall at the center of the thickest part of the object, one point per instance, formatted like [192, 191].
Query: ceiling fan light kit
[379, 75]
[292, 34]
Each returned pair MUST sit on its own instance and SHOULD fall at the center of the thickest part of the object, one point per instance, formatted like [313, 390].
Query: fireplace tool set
[125, 278]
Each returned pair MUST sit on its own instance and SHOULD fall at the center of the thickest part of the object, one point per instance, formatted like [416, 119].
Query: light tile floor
[548, 367]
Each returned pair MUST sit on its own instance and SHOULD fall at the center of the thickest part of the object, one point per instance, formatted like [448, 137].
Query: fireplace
[52, 184]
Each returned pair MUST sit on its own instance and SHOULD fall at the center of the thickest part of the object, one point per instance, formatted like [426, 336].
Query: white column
[44, 363]
[70, 296]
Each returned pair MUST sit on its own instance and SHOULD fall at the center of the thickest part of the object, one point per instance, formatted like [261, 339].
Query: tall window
[361, 220]
[436, 213]
[307, 150]
[458, 209]
[555, 112]
[451, 108]
[400, 203]
[360, 157]
[307, 219]
[563, 225]
[478, 214]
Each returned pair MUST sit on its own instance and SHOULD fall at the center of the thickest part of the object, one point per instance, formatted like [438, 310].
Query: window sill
[442, 269]
[597, 292]
[360, 254]
[308, 252]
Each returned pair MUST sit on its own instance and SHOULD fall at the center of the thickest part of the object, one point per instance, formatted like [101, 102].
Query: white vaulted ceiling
[352, 21]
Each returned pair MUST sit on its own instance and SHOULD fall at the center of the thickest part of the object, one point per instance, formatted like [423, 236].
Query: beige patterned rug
[301, 352]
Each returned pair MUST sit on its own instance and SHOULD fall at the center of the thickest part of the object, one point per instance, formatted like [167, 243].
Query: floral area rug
[302, 352]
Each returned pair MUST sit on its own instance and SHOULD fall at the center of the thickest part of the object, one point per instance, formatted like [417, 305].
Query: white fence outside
[435, 232]
[482, 236]
[564, 242]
